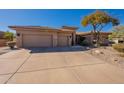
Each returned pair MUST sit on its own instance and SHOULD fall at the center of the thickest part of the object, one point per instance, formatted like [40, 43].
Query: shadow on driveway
[58, 49]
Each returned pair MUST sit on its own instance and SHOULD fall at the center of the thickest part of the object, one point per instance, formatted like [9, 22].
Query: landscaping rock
[98, 52]
[115, 59]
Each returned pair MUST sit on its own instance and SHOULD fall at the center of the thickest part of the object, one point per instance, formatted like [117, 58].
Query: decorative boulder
[98, 52]
[11, 44]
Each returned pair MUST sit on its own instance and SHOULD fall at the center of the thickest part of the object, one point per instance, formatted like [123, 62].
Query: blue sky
[52, 18]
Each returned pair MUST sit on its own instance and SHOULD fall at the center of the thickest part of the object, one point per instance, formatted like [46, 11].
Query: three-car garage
[36, 37]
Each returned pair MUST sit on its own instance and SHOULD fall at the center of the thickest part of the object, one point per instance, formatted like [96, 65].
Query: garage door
[37, 41]
[62, 41]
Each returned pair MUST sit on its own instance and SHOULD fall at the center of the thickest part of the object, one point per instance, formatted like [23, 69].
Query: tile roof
[70, 27]
[88, 33]
[64, 28]
[31, 27]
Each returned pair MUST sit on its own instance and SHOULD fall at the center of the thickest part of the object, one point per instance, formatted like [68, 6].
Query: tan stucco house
[80, 36]
[37, 36]
[118, 40]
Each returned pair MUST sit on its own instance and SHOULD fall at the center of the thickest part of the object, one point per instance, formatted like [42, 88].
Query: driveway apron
[51, 67]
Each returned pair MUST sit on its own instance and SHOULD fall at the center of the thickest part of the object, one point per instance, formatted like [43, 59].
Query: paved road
[58, 66]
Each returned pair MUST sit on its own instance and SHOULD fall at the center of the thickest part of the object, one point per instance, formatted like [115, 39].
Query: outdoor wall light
[18, 34]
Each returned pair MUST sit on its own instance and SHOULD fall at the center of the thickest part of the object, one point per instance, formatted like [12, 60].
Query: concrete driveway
[4, 50]
[60, 65]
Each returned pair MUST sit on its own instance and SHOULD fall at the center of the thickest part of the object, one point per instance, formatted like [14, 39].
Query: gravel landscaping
[108, 54]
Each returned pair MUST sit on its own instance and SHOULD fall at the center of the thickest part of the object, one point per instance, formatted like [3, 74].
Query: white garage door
[37, 41]
[62, 41]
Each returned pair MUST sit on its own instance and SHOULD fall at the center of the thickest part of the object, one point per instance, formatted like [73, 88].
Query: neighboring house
[2, 40]
[118, 40]
[37, 36]
[117, 35]
[80, 36]
[1, 34]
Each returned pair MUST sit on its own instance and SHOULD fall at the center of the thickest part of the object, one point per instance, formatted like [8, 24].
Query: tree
[98, 20]
[9, 36]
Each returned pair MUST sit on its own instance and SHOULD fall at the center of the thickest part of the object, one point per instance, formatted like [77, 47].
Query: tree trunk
[98, 39]
[94, 35]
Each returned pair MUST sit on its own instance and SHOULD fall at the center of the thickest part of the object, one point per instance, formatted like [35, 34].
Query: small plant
[9, 36]
[119, 47]
[85, 43]
[11, 44]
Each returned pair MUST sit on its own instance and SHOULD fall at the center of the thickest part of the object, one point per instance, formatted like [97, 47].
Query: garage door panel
[62, 41]
[37, 41]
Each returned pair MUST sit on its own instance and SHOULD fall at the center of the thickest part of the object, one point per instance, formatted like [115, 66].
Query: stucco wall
[2, 42]
[55, 35]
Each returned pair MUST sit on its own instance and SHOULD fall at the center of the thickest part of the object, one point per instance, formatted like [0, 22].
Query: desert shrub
[104, 43]
[122, 55]
[119, 47]
[9, 36]
[85, 43]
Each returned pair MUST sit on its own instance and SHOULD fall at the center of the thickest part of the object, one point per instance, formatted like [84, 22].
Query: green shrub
[85, 43]
[119, 47]
[9, 36]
